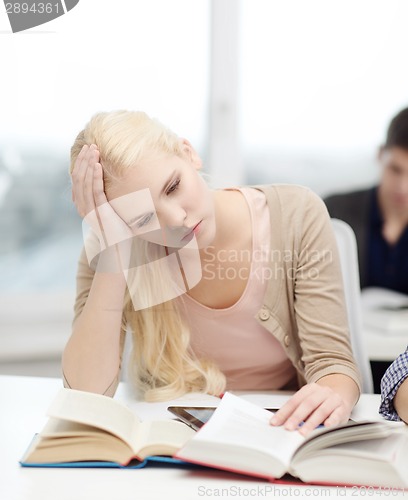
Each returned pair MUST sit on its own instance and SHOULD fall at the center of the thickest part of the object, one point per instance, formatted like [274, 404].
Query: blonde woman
[221, 289]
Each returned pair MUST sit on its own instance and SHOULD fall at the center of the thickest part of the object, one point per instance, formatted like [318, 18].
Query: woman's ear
[191, 154]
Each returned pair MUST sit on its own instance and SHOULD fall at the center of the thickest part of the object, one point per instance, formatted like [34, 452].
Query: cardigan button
[286, 340]
[264, 314]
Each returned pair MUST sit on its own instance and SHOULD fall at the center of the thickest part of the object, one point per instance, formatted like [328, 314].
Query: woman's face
[165, 200]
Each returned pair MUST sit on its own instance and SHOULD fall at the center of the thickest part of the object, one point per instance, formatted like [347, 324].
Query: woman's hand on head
[89, 197]
[311, 406]
[85, 181]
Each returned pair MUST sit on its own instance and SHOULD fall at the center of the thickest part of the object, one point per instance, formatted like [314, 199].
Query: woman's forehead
[152, 173]
[134, 203]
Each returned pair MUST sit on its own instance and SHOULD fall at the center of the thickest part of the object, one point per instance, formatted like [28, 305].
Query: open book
[87, 427]
[239, 438]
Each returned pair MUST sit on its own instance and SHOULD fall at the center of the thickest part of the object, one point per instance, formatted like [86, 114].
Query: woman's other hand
[328, 401]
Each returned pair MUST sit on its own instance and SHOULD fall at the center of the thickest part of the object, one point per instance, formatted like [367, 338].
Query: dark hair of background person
[397, 133]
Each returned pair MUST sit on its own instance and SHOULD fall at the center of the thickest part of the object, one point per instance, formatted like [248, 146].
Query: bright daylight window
[155, 59]
[319, 83]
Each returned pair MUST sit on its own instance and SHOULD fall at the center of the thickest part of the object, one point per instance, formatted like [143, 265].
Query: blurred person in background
[379, 215]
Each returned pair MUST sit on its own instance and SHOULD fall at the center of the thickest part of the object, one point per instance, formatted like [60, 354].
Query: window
[127, 54]
[319, 82]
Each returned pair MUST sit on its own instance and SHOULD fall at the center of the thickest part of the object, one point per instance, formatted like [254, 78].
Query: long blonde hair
[162, 363]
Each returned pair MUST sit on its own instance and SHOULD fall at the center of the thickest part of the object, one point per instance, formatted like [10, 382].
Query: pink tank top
[249, 356]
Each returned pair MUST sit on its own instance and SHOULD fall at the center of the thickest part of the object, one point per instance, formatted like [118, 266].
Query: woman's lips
[194, 231]
[197, 227]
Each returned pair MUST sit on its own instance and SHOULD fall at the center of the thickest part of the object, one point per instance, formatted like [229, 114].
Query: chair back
[347, 246]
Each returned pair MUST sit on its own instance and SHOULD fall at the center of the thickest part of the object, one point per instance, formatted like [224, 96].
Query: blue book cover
[153, 461]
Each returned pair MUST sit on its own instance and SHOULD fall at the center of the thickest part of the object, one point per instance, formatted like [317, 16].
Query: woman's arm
[91, 358]
[330, 370]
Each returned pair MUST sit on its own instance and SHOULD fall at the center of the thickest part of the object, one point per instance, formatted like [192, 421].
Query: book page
[265, 399]
[96, 410]
[65, 441]
[160, 437]
[351, 432]
[56, 427]
[375, 462]
[240, 423]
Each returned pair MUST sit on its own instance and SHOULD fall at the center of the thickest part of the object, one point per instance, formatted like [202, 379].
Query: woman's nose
[175, 217]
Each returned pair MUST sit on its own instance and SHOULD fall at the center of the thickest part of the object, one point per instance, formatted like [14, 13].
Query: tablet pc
[196, 416]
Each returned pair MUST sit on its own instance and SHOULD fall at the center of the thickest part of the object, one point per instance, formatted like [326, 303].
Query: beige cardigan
[304, 305]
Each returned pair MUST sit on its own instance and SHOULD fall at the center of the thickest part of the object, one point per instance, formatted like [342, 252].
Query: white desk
[383, 343]
[382, 346]
[24, 401]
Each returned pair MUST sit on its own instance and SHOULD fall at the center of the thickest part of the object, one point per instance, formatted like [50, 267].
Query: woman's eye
[173, 187]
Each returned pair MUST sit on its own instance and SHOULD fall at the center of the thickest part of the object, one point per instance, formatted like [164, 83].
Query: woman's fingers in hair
[83, 179]
[98, 187]
[76, 175]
